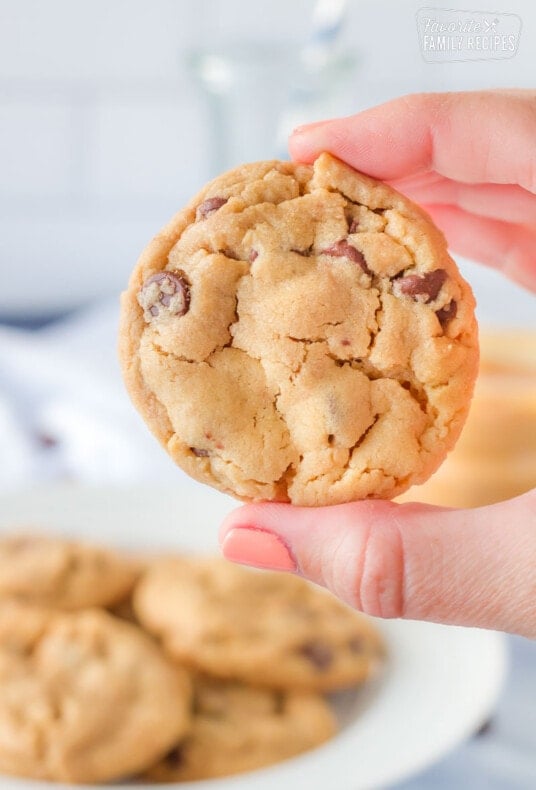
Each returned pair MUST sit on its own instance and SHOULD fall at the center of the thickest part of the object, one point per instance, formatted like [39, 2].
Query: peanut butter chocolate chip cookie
[269, 629]
[84, 697]
[61, 573]
[300, 333]
[237, 728]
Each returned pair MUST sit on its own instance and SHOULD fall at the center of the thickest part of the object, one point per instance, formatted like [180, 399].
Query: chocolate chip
[341, 249]
[447, 313]
[253, 255]
[46, 440]
[485, 728]
[318, 653]
[356, 644]
[354, 225]
[174, 758]
[279, 702]
[165, 293]
[199, 452]
[345, 343]
[426, 285]
[209, 206]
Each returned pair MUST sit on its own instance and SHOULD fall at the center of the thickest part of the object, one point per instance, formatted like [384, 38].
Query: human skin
[470, 160]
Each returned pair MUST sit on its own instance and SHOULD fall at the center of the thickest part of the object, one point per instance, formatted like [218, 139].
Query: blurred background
[105, 127]
[112, 114]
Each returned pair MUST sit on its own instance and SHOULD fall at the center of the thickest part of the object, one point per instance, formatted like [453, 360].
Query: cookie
[495, 458]
[84, 697]
[125, 611]
[269, 629]
[237, 728]
[300, 333]
[62, 573]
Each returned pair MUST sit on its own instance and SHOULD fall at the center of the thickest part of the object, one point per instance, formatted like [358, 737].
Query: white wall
[103, 135]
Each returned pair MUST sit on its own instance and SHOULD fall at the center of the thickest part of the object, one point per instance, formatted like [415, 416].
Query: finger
[506, 202]
[473, 567]
[503, 245]
[478, 137]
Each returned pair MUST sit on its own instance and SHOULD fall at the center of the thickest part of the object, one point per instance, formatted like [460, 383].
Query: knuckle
[380, 583]
[339, 572]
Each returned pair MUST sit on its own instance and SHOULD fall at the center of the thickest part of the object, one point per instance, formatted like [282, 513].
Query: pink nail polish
[256, 547]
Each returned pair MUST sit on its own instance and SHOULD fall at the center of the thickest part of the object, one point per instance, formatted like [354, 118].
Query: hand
[470, 158]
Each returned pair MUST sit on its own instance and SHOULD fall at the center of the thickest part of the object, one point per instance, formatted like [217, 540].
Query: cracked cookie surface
[237, 728]
[84, 697]
[62, 573]
[300, 333]
[269, 629]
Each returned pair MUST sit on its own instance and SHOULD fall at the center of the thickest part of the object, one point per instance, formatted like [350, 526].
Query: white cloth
[63, 385]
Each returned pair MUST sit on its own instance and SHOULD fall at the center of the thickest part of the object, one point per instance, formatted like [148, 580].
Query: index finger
[480, 137]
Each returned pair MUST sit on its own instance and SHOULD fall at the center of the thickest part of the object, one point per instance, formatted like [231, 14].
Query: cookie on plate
[300, 333]
[62, 573]
[84, 697]
[237, 728]
[269, 629]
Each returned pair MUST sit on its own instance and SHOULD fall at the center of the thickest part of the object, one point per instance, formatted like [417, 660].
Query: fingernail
[307, 127]
[258, 548]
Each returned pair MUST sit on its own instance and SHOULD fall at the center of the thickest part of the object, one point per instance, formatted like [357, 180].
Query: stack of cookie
[174, 669]
[495, 458]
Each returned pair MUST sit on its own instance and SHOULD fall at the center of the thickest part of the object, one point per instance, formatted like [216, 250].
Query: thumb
[465, 567]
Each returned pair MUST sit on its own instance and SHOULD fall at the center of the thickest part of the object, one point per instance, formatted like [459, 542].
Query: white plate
[439, 686]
